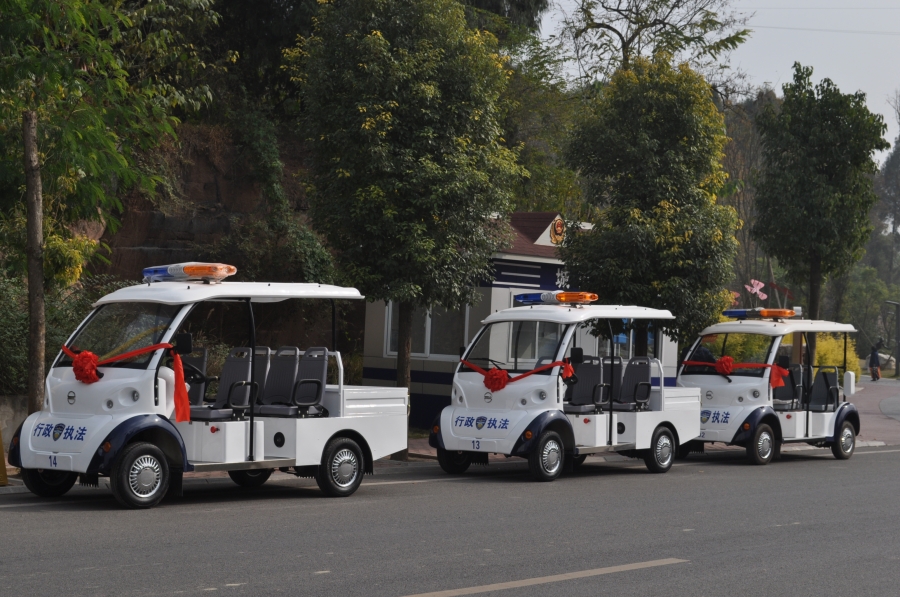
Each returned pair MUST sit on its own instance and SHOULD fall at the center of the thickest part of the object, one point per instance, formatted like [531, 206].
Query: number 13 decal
[476, 445]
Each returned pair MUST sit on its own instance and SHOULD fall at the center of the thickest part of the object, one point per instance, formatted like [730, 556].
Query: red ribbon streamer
[496, 379]
[726, 365]
[84, 365]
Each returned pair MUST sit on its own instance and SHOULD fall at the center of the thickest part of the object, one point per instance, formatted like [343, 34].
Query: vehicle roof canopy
[572, 314]
[768, 327]
[180, 293]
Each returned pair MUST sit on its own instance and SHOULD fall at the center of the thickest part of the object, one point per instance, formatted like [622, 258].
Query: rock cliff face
[211, 183]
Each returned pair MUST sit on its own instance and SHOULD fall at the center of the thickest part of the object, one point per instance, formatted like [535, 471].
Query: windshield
[121, 327]
[743, 348]
[516, 346]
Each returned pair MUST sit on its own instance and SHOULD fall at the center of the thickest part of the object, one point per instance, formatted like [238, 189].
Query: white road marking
[416, 481]
[542, 580]
[879, 452]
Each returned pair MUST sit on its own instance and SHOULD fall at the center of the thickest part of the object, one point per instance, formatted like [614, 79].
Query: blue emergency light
[184, 272]
[555, 298]
[759, 313]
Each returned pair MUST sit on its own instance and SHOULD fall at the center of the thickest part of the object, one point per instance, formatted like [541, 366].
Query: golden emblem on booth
[557, 231]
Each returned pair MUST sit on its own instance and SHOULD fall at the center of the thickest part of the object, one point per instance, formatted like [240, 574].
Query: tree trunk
[772, 284]
[35, 261]
[815, 291]
[404, 347]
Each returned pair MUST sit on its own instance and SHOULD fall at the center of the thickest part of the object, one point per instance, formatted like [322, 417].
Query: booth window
[436, 333]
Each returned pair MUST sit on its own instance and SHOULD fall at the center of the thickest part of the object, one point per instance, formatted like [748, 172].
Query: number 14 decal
[52, 461]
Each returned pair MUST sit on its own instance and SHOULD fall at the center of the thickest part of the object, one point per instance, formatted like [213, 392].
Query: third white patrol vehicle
[537, 383]
[759, 391]
[125, 400]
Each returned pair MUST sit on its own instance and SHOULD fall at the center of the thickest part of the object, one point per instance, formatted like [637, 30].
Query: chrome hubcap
[764, 446]
[344, 468]
[664, 450]
[145, 476]
[847, 441]
[550, 457]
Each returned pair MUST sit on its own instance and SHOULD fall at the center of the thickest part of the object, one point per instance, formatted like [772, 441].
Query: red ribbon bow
[725, 365]
[496, 379]
[84, 366]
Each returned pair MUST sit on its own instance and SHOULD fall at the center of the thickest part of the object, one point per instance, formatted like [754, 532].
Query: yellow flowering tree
[649, 148]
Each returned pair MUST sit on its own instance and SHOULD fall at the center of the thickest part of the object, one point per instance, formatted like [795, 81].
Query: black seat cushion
[208, 413]
[578, 409]
[276, 410]
[624, 406]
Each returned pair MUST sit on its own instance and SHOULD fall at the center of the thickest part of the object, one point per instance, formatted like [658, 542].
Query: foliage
[610, 34]
[66, 308]
[830, 351]
[650, 150]
[818, 151]
[408, 172]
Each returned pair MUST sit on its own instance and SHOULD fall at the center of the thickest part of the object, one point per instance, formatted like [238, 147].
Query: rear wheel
[844, 442]
[578, 461]
[661, 454]
[342, 468]
[254, 478]
[546, 460]
[47, 482]
[139, 477]
[453, 462]
[761, 448]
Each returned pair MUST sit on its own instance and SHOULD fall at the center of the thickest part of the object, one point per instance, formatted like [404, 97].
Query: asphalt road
[805, 525]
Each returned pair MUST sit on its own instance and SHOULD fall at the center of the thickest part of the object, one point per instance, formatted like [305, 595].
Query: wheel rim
[664, 450]
[344, 468]
[847, 440]
[550, 457]
[145, 476]
[764, 445]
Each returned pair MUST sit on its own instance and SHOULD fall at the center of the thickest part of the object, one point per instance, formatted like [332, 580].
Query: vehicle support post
[333, 326]
[612, 381]
[251, 402]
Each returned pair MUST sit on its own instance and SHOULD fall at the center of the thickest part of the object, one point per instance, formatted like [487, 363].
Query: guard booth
[530, 264]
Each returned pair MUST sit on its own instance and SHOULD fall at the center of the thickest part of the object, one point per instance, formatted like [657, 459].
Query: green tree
[650, 151]
[83, 119]
[815, 192]
[410, 178]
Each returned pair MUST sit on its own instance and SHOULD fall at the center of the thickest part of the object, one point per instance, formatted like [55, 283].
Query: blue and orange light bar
[760, 313]
[190, 271]
[556, 298]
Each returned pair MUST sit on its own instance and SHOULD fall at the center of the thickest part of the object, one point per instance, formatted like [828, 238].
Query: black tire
[453, 462]
[139, 477]
[254, 478]
[342, 468]
[682, 452]
[844, 442]
[578, 461]
[761, 447]
[661, 455]
[547, 458]
[48, 483]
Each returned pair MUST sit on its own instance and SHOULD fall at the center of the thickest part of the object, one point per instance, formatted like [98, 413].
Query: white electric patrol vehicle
[273, 409]
[537, 382]
[759, 390]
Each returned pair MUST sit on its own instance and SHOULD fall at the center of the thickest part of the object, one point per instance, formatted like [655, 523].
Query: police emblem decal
[58, 431]
[704, 416]
[479, 422]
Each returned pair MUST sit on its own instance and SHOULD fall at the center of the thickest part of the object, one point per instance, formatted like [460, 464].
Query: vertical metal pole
[252, 398]
[333, 326]
[845, 352]
[807, 390]
[612, 381]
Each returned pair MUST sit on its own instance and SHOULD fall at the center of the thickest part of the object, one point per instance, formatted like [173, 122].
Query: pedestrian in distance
[874, 365]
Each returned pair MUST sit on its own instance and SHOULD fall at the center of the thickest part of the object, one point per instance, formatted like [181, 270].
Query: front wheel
[341, 471]
[139, 477]
[845, 442]
[453, 462]
[48, 483]
[761, 448]
[254, 478]
[662, 451]
[546, 460]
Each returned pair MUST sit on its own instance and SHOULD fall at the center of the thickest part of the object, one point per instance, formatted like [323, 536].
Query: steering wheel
[193, 375]
[571, 380]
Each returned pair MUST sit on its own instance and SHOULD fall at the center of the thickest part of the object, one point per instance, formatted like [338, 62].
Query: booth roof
[179, 293]
[572, 314]
[769, 327]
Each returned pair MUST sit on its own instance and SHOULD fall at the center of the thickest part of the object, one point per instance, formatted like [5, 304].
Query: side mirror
[184, 343]
[577, 355]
